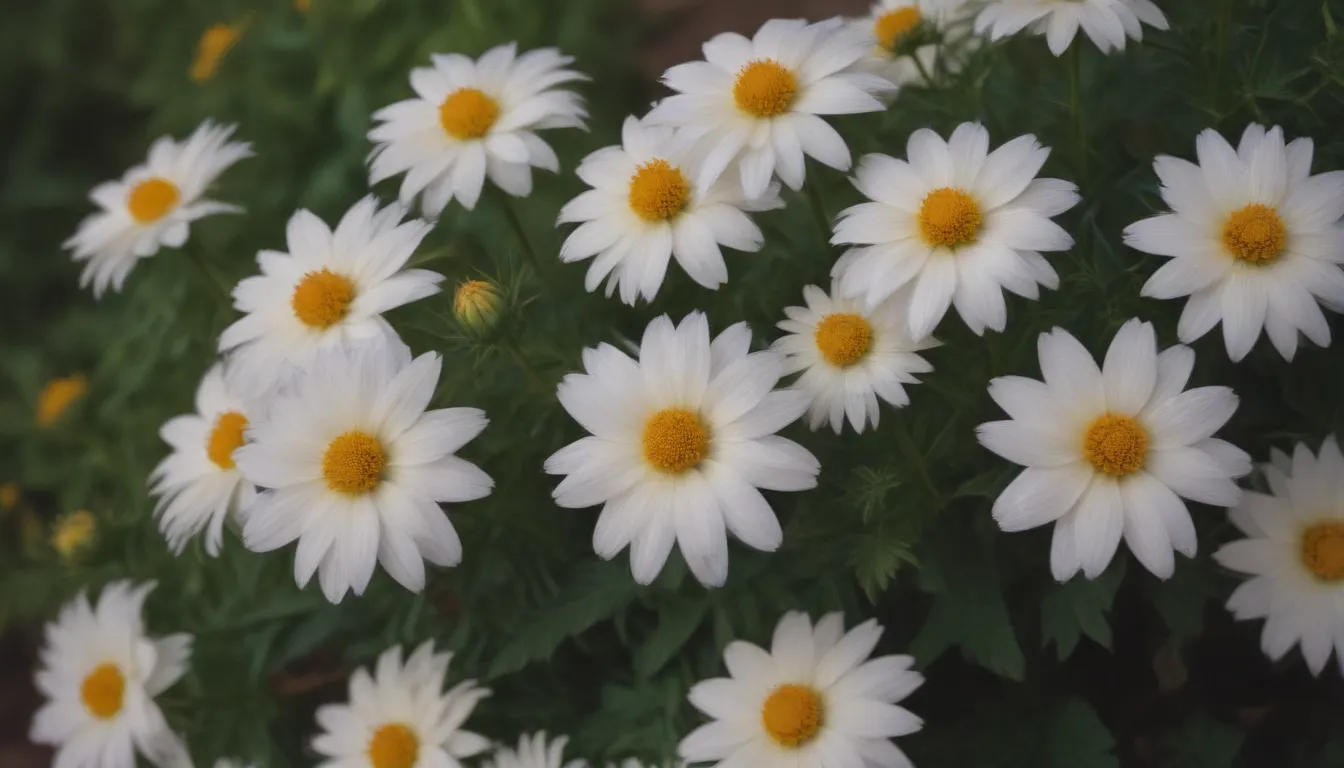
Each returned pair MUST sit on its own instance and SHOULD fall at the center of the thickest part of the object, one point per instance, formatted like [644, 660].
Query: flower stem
[923, 71]
[818, 207]
[210, 277]
[518, 357]
[516, 222]
[1224, 19]
[912, 454]
[1076, 107]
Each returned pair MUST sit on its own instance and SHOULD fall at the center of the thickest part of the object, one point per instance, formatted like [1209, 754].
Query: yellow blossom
[476, 304]
[57, 397]
[302, 6]
[9, 496]
[215, 43]
[73, 533]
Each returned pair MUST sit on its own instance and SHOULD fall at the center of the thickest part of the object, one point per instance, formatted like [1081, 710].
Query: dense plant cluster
[893, 350]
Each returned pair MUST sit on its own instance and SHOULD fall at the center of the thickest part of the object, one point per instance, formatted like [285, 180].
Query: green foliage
[1078, 607]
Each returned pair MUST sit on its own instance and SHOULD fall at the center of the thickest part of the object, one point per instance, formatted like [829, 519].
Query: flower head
[9, 496]
[215, 42]
[153, 205]
[681, 441]
[476, 304]
[57, 397]
[895, 27]
[1107, 22]
[1254, 240]
[534, 751]
[814, 695]
[1110, 452]
[475, 119]
[73, 533]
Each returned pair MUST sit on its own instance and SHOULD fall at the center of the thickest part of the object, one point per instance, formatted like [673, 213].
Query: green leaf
[1182, 599]
[1203, 742]
[1078, 607]
[1076, 738]
[876, 559]
[677, 621]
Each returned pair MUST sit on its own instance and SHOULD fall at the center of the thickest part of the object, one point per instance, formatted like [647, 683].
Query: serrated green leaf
[677, 621]
[1203, 742]
[1076, 738]
[1078, 607]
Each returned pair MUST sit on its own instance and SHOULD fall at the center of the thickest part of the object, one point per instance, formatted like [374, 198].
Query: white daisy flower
[958, 222]
[329, 289]
[99, 674]
[1294, 555]
[680, 442]
[153, 205]
[1110, 451]
[355, 467]
[534, 751]
[475, 119]
[893, 24]
[225, 762]
[850, 356]
[400, 717]
[814, 699]
[646, 207]
[1107, 22]
[198, 484]
[1254, 240]
[758, 101]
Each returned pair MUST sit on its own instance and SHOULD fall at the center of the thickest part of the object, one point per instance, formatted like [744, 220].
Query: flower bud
[476, 304]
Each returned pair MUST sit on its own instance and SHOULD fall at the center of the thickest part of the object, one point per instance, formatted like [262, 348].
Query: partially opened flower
[1110, 452]
[758, 101]
[1106, 22]
[400, 717]
[958, 223]
[850, 356]
[534, 751]
[355, 467]
[198, 484]
[1293, 556]
[99, 674]
[331, 288]
[680, 442]
[814, 700]
[896, 26]
[472, 120]
[1254, 240]
[153, 205]
[649, 205]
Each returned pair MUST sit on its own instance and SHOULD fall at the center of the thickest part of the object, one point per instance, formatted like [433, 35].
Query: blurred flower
[303, 6]
[958, 223]
[895, 23]
[681, 441]
[476, 304]
[472, 120]
[198, 483]
[400, 717]
[354, 465]
[9, 496]
[73, 533]
[758, 100]
[850, 356]
[1254, 241]
[1294, 554]
[533, 752]
[1110, 451]
[330, 288]
[99, 674]
[225, 762]
[646, 207]
[153, 204]
[215, 43]
[57, 397]
[1106, 22]
[814, 695]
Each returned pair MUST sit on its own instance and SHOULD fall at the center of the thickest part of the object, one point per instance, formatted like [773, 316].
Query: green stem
[516, 222]
[818, 207]
[923, 71]
[912, 454]
[1076, 107]
[518, 357]
[210, 276]
[1224, 18]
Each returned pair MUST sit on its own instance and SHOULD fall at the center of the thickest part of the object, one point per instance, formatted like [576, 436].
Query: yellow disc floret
[1115, 444]
[322, 298]
[394, 746]
[765, 88]
[1323, 551]
[843, 339]
[468, 113]
[353, 463]
[675, 440]
[949, 217]
[152, 199]
[891, 26]
[225, 438]
[1255, 234]
[792, 715]
[102, 691]
[658, 191]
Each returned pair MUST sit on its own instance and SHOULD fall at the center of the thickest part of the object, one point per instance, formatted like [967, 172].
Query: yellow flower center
[225, 438]
[1116, 445]
[843, 338]
[215, 42]
[102, 691]
[1255, 234]
[949, 217]
[792, 715]
[658, 191]
[57, 396]
[468, 113]
[394, 746]
[1323, 551]
[152, 199]
[354, 462]
[765, 88]
[73, 532]
[322, 298]
[894, 25]
[675, 440]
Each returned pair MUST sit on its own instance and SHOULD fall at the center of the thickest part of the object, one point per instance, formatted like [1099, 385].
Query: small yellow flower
[476, 304]
[73, 533]
[302, 6]
[9, 496]
[57, 397]
[215, 43]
